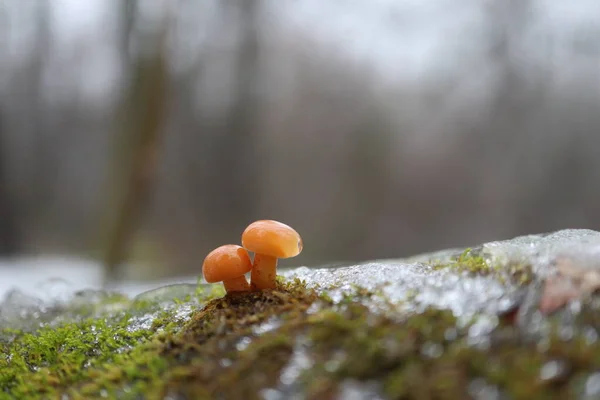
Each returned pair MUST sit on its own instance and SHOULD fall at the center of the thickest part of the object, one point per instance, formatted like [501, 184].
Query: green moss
[101, 357]
[467, 261]
[430, 356]
[54, 358]
[237, 345]
[473, 262]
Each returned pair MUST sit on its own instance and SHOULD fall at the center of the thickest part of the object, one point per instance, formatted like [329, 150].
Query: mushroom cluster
[269, 240]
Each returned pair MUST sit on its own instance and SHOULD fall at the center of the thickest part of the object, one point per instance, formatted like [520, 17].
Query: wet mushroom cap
[272, 238]
[226, 262]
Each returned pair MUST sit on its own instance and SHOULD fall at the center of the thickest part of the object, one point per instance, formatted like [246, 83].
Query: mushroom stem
[263, 272]
[239, 284]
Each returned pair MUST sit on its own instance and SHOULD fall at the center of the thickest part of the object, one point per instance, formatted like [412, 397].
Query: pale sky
[399, 39]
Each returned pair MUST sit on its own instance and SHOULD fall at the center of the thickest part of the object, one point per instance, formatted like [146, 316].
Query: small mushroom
[269, 240]
[228, 264]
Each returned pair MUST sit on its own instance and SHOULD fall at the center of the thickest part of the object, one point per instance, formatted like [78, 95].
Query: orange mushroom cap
[272, 238]
[226, 262]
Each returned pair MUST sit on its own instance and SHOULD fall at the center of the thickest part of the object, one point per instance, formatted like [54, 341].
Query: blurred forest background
[156, 130]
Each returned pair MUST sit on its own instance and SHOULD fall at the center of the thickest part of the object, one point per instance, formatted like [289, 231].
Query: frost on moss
[473, 262]
[293, 340]
[51, 359]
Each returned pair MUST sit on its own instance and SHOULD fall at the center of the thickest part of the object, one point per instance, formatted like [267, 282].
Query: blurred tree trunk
[10, 238]
[128, 19]
[30, 110]
[41, 135]
[25, 123]
[514, 95]
[136, 144]
[518, 96]
[235, 192]
[366, 177]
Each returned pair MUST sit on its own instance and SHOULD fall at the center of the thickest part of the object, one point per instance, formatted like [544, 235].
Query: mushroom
[228, 264]
[269, 240]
